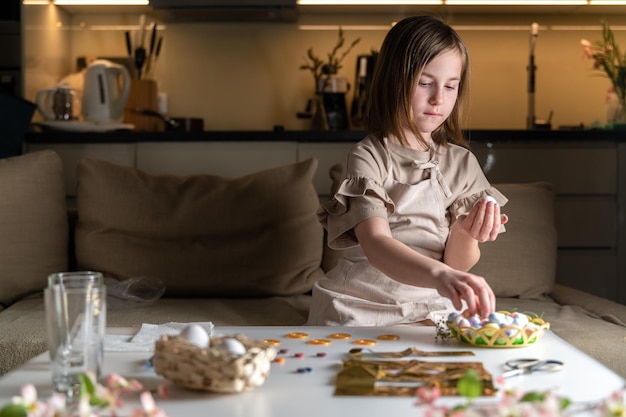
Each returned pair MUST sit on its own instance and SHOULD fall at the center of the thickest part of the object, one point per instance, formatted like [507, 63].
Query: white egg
[486, 198]
[195, 334]
[229, 346]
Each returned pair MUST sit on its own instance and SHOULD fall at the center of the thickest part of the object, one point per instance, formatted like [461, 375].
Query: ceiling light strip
[365, 2]
[501, 28]
[101, 2]
[370, 2]
[607, 3]
[461, 2]
[516, 2]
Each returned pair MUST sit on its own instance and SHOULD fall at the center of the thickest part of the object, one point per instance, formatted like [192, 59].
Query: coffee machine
[334, 89]
[364, 71]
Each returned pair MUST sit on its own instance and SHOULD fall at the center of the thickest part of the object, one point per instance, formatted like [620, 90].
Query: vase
[615, 109]
[318, 113]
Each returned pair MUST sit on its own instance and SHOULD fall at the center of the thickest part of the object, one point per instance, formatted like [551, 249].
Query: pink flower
[119, 383]
[614, 406]
[29, 401]
[149, 407]
[84, 408]
[427, 395]
[163, 390]
[587, 52]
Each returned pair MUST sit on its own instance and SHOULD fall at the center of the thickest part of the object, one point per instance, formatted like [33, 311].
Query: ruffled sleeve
[463, 205]
[356, 199]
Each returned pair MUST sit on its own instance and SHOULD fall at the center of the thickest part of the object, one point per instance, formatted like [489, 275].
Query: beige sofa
[241, 251]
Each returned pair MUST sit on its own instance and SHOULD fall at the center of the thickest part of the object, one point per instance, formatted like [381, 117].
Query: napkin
[145, 338]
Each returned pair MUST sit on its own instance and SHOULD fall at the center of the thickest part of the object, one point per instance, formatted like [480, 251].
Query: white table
[289, 393]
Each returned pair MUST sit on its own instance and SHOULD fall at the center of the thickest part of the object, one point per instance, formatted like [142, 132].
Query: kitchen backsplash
[246, 76]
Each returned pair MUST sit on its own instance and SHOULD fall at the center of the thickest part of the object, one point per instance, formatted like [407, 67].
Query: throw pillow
[33, 222]
[202, 235]
[522, 261]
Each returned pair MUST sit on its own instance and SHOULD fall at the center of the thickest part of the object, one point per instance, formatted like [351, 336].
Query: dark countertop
[309, 136]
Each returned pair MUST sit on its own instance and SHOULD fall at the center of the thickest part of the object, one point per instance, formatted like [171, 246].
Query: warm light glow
[516, 2]
[463, 28]
[462, 2]
[334, 28]
[368, 2]
[362, 2]
[101, 2]
[608, 2]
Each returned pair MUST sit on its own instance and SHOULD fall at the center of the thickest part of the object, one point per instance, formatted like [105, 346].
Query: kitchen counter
[310, 136]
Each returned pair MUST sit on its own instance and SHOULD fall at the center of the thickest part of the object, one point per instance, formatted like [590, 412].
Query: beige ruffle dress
[420, 193]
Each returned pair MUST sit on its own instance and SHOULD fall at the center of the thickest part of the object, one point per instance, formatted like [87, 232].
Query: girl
[412, 207]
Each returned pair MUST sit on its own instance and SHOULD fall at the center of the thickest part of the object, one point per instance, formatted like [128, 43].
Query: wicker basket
[211, 369]
[504, 337]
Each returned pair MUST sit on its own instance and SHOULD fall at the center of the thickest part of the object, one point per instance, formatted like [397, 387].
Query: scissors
[526, 366]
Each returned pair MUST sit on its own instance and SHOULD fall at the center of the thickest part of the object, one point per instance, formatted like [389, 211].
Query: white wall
[245, 76]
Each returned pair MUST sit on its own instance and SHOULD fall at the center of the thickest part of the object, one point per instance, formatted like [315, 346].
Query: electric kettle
[105, 91]
[56, 103]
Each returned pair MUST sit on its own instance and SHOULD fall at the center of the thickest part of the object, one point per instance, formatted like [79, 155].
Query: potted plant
[323, 69]
[327, 81]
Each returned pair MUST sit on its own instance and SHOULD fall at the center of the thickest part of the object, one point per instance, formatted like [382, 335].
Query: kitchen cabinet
[229, 159]
[588, 176]
[328, 154]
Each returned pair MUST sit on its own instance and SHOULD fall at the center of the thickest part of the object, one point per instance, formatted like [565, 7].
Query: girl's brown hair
[408, 47]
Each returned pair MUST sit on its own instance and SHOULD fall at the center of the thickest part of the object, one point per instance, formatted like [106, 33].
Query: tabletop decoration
[363, 377]
[502, 329]
[231, 364]
[607, 57]
[515, 402]
[96, 400]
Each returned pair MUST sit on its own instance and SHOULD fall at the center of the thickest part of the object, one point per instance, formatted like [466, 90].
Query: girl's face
[436, 91]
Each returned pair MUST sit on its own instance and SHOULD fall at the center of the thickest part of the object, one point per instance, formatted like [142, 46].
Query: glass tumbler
[76, 322]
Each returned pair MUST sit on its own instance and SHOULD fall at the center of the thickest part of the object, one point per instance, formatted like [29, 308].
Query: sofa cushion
[33, 222]
[522, 261]
[203, 235]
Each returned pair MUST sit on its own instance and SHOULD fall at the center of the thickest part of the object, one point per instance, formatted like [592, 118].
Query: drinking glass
[76, 321]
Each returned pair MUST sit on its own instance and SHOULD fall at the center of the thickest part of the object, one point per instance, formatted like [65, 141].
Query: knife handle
[129, 47]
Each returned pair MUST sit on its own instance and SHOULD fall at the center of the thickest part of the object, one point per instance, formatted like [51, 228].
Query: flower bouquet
[607, 57]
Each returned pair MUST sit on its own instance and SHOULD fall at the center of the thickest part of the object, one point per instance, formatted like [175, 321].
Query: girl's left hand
[483, 221]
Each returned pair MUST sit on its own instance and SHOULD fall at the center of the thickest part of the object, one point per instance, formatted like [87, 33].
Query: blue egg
[511, 332]
[475, 321]
[452, 316]
[496, 318]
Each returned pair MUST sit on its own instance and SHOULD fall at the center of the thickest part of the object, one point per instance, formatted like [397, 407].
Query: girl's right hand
[478, 295]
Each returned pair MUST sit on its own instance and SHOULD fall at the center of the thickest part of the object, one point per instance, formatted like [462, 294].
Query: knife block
[143, 95]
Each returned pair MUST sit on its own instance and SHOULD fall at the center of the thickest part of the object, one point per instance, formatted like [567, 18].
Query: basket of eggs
[224, 364]
[502, 329]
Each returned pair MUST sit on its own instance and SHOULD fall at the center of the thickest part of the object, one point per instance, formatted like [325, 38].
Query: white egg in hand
[486, 199]
[196, 335]
[229, 346]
